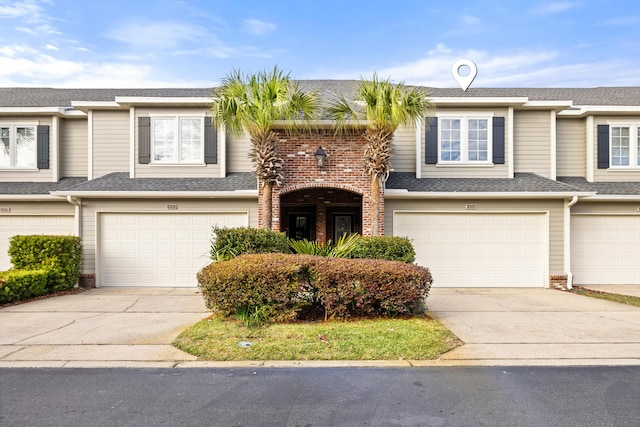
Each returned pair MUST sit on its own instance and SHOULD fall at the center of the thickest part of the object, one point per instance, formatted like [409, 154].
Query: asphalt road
[531, 396]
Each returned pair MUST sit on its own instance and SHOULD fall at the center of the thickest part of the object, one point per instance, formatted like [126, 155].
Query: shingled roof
[120, 181]
[38, 188]
[50, 97]
[603, 188]
[520, 183]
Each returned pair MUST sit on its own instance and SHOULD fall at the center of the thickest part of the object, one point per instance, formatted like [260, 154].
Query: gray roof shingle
[120, 181]
[520, 183]
[38, 188]
[603, 188]
[50, 97]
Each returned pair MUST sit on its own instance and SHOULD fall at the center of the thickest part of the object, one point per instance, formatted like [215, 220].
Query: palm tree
[381, 106]
[256, 103]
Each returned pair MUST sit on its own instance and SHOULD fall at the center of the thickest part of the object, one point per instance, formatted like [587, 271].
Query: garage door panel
[158, 249]
[25, 225]
[479, 249]
[605, 249]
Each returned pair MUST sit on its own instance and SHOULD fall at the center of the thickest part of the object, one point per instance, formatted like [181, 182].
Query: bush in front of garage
[391, 248]
[16, 285]
[280, 287]
[232, 242]
[60, 256]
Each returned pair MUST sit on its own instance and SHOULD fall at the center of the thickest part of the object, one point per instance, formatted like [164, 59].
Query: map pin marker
[464, 81]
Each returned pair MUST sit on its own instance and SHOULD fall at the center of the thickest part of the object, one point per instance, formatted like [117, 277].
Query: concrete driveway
[98, 327]
[134, 327]
[537, 327]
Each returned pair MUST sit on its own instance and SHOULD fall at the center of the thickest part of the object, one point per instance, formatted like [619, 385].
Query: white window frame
[12, 145]
[464, 138]
[634, 141]
[178, 140]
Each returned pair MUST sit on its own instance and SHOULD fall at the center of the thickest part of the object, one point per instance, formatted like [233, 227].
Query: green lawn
[416, 338]
[623, 299]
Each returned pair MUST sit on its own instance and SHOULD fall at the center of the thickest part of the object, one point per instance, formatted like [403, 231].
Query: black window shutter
[42, 132]
[431, 141]
[210, 142]
[144, 140]
[603, 146]
[498, 140]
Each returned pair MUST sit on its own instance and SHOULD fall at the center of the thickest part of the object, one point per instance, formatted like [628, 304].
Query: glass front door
[342, 224]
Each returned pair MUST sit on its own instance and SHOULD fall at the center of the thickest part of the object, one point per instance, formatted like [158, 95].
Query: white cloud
[622, 21]
[51, 47]
[258, 27]
[20, 9]
[554, 7]
[470, 20]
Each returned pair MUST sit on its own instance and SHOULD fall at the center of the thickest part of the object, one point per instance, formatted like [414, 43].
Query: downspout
[78, 214]
[567, 241]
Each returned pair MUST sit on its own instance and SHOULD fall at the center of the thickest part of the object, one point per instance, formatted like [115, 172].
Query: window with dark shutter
[144, 140]
[431, 141]
[43, 146]
[603, 146]
[210, 142]
[498, 140]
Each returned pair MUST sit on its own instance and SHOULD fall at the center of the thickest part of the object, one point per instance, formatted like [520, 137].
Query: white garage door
[605, 250]
[14, 225]
[480, 249]
[158, 249]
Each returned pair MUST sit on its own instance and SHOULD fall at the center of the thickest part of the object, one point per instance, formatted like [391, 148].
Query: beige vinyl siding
[110, 142]
[571, 149]
[622, 208]
[404, 149]
[238, 153]
[468, 171]
[612, 174]
[40, 175]
[40, 208]
[555, 208]
[532, 142]
[90, 208]
[73, 147]
[173, 171]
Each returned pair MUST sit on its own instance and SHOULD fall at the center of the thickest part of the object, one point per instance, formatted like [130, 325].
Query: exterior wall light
[321, 157]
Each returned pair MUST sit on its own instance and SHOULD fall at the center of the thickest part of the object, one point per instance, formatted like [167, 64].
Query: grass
[623, 299]
[416, 338]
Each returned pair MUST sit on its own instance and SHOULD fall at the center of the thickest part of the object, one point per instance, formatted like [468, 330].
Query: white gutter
[405, 194]
[567, 241]
[77, 226]
[613, 198]
[28, 198]
[247, 194]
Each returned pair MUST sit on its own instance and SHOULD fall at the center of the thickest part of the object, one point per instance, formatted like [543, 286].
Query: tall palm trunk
[267, 166]
[377, 154]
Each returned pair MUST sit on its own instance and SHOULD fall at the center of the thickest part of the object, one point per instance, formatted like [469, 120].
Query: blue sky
[190, 43]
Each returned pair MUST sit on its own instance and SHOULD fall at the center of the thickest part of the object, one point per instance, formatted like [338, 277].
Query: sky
[195, 43]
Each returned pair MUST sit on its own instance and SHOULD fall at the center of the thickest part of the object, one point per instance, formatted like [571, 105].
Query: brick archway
[343, 172]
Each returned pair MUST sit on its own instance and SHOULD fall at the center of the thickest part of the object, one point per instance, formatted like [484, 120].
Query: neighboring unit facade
[496, 187]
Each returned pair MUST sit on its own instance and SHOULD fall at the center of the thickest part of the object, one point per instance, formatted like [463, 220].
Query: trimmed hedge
[61, 256]
[231, 242]
[17, 285]
[283, 286]
[390, 248]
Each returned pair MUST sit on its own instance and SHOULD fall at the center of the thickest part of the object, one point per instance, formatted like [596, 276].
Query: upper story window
[18, 147]
[464, 140]
[624, 146]
[177, 140]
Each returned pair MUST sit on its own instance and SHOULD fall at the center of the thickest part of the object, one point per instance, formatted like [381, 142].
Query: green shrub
[60, 255]
[280, 287]
[16, 285]
[232, 242]
[268, 284]
[390, 248]
[341, 249]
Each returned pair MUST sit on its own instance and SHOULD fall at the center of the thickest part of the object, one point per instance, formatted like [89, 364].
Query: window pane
[164, 146]
[190, 140]
[450, 140]
[5, 148]
[620, 147]
[26, 147]
[478, 147]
